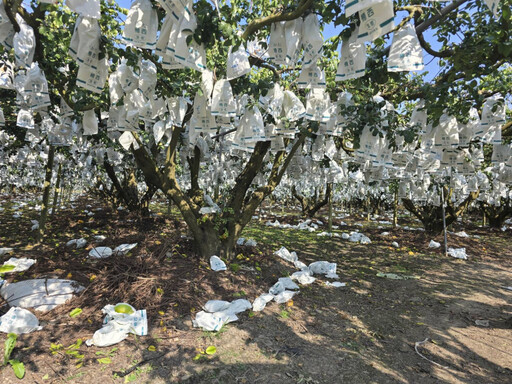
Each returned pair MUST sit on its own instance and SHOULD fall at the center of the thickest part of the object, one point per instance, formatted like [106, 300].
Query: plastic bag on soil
[117, 326]
[123, 249]
[283, 253]
[19, 320]
[434, 244]
[458, 253]
[78, 243]
[335, 284]
[20, 265]
[322, 268]
[261, 301]
[214, 321]
[284, 297]
[5, 251]
[100, 252]
[216, 305]
[40, 294]
[217, 264]
[303, 277]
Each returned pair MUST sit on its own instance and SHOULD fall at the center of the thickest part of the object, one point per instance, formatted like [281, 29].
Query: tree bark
[432, 217]
[57, 191]
[46, 194]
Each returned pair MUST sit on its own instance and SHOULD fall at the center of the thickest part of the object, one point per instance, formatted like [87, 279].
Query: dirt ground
[366, 332]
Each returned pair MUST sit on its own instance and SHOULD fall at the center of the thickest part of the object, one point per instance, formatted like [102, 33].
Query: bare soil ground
[362, 333]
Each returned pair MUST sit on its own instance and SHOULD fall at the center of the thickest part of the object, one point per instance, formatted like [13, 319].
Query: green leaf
[6, 268]
[211, 350]
[18, 367]
[104, 360]
[130, 378]
[10, 342]
[75, 312]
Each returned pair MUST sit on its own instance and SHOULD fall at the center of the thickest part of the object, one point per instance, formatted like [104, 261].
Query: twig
[134, 367]
[420, 343]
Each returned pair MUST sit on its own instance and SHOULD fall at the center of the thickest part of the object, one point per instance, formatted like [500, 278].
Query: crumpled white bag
[277, 43]
[85, 42]
[406, 53]
[318, 105]
[126, 140]
[293, 109]
[238, 63]
[322, 268]
[141, 25]
[88, 8]
[458, 253]
[216, 264]
[353, 59]
[293, 37]
[214, 321]
[20, 265]
[40, 294]
[90, 123]
[123, 249]
[25, 119]
[311, 77]
[100, 252]
[376, 20]
[117, 326]
[491, 122]
[19, 321]
[223, 102]
[261, 301]
[273, 101]
[77, 243]
[24, 43]
[312, 40]
[191, 55]
[283, 253]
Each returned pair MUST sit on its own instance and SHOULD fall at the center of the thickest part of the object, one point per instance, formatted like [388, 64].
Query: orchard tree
[214, 100]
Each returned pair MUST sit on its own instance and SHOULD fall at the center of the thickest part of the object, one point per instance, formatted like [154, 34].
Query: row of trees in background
[212, 114]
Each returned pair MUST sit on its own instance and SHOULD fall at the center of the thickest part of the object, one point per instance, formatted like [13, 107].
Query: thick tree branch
[256, 25]
[442, 13]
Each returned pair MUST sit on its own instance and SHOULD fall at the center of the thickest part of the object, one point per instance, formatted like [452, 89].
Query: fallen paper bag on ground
[458, 253]
[434, 244]
[5, 251]
[117, 325]
[18, 321]
[284, 297]
[100, 252]
[123, 249]
[214, 321]
[20, 265]
[216, 264]
[303, 277]
[283, 253]
[335, 284]
[78, 243]
[40, 294]
[261, 301]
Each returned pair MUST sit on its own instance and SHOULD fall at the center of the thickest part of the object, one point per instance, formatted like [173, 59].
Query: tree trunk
[432, 217]
[497, 215]
[310, 206]
[46, 194]
[57, 191]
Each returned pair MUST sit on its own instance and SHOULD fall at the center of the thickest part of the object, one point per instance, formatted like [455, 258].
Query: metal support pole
[444, 223]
